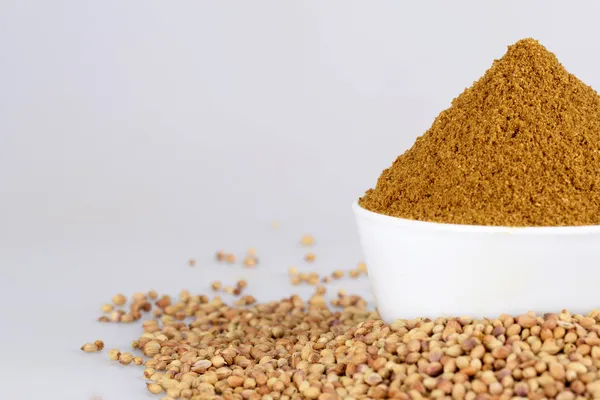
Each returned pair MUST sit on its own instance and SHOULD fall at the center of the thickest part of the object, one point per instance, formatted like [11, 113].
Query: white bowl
[428, 269]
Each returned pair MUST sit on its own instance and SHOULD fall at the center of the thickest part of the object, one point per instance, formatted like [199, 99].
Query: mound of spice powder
[518, 148]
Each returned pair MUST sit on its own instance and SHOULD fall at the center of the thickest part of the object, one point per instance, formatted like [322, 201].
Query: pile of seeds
[200, 348]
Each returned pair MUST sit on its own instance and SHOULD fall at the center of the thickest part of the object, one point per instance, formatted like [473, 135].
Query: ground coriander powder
[518, 148]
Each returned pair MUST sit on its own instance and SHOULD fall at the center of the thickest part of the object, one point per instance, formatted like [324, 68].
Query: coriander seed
[114, 354]
[89, 348]
[125, 358]
[307, 240]
[154, 388]
[304, 349]
[106, 308]
[119, 299]
[338, 274]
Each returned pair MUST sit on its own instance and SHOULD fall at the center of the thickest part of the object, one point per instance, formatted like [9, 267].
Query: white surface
[134, 135]
[428, 269]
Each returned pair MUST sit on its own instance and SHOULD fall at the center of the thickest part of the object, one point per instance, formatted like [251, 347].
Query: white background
[134, 135]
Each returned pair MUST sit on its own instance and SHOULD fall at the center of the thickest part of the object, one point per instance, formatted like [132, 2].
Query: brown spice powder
[518, 148]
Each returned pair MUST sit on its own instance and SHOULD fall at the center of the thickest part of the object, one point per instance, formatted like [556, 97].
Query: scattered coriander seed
[99, 344]
[307, 240]
[138, 297]
[119, 299]
[125, 358]
[284, 349]
[154, 388]
[216, 286]
[114, 354]
[250, 261]
[353, 273]
[229, 258]
[89, 348]
[152, 295]
[127, 318]
[106, 308]
[103, 318]
[229, 289]
[362, 267]
[220, 255]
[309, 257]
[326, 279]
[164, 302]
[151, 348]
[242, 284]
[184, 294]
[192, 262]
[295, 280]
[293, 271]
[116, 315]
[252, 251]
[337, 274]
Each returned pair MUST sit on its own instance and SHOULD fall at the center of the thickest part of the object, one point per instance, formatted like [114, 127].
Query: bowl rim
[436, 226]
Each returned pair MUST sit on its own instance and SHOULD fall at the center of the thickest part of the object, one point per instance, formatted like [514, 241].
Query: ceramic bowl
[427, 269]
